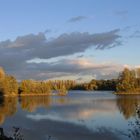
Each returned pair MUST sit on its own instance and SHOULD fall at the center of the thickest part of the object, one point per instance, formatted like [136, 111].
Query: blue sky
[25, 19]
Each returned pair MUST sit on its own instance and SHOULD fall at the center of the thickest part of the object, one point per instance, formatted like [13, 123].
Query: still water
[80, 115]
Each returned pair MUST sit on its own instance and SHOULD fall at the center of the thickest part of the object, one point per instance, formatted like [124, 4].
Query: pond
[80, 115]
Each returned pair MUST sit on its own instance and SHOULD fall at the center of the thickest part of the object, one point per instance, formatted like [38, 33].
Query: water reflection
[85, 116]
[30, 103]
[127, 105]
[85, 109]
[8, 107]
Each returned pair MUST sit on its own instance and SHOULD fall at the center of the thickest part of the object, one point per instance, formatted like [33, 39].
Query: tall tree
[126, 81]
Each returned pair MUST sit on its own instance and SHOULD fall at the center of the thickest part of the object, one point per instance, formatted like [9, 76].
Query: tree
[2, 73]
[9, 85]
[137, 71]
[32, 86]
[126, 81]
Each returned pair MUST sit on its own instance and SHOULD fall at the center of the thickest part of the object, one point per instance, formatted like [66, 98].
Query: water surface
[81, 115]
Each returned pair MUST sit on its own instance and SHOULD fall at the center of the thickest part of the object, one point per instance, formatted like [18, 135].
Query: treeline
[31, 86]
[10, 86]
[98, 85]
[46, 87]
[128, 81]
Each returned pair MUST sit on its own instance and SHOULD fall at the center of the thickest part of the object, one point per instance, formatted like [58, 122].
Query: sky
[69, 39]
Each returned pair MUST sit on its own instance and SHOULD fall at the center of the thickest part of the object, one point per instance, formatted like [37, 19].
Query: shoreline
[37, 94]
[57, 94]
[32, 94]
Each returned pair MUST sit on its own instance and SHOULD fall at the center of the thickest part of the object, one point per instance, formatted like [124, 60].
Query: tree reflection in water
[130, 106]
[30, 103]
[8, 107]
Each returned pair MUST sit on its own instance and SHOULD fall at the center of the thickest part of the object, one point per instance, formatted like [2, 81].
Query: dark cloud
[77, 18]
[15, 54]
[76, 42]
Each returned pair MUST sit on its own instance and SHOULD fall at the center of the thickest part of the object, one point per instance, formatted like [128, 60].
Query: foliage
[128, 82]
[91, 86]
[39, 87]
[62, 86]
[98, 85]
[32, 86]
[107, 84]
[8, 84]
[2, 73]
